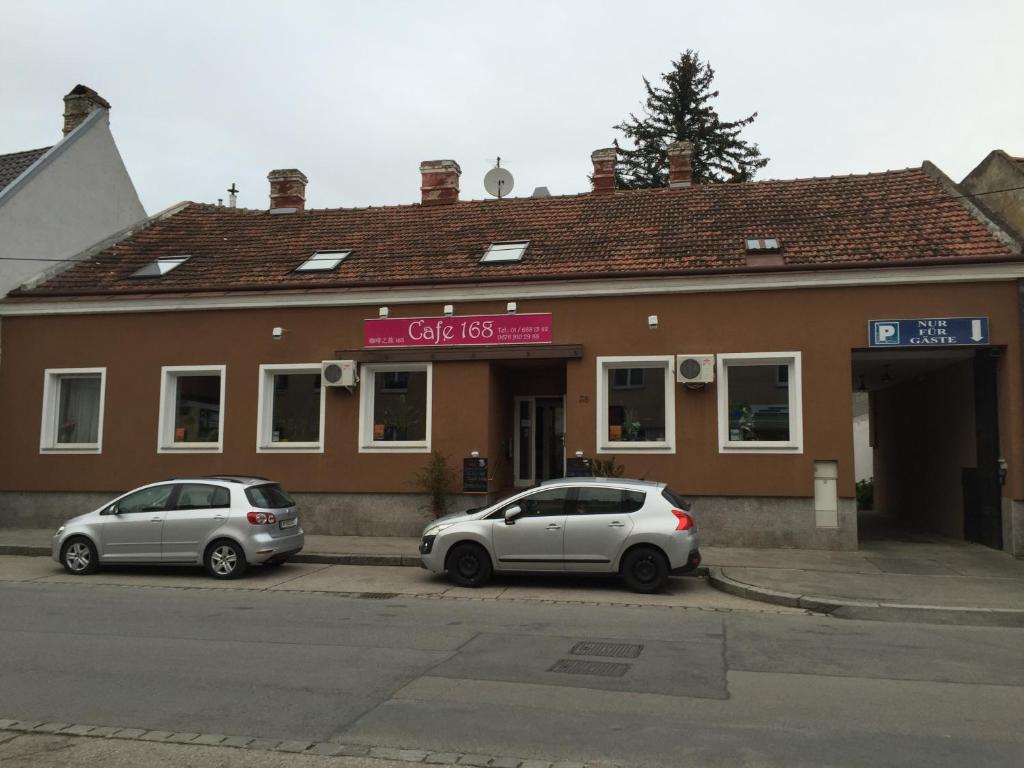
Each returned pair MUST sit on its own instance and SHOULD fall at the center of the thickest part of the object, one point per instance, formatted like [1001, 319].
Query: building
[997, 186]
[712, 336]
[56, 202]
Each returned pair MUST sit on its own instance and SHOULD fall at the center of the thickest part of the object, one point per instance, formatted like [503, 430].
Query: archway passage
[934, 439]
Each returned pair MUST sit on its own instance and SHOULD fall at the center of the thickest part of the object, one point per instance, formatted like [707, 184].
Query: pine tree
[680, 110]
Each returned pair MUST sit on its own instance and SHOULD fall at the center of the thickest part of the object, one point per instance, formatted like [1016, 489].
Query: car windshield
[271, 496]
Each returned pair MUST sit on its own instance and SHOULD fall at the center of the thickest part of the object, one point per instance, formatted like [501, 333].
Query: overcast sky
[356, 94]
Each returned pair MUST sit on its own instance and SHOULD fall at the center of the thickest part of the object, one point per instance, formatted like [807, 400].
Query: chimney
[680, 167]
[604, 170]
[287, 188]
[78, 104]
[440, 182]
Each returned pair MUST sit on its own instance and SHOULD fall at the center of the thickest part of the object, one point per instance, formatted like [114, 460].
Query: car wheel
[225, 560]
[79, 556]
[469, 565]
[644, 570]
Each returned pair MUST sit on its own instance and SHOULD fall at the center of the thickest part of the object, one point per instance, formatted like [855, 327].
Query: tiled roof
[877, 219]
[14, 164]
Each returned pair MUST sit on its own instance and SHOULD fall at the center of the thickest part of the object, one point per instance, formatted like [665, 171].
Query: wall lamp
[652, 322]
[383, 312]
[449, 310]
[511, 307]
[278, 333]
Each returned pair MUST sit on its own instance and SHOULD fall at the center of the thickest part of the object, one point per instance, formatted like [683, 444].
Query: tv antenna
[498, 181]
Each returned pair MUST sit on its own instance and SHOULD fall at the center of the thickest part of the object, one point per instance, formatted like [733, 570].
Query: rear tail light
[261, 518]
[685, 521]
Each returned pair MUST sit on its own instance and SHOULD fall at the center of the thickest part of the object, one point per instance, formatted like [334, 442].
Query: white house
[57, 202]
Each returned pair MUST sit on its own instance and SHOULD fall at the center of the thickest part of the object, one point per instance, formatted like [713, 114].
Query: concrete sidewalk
[918, 580]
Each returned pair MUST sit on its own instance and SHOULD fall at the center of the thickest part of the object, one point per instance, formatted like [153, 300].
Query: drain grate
[376, 595]
[600, 668]
[611, 650]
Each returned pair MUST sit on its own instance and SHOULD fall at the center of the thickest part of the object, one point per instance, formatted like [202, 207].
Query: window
[153, 499]
[395, 406]
[323, 261]
[543, 503]
[765, 244]
[270, 496]
[499, 253]
[73, 410]
[202, 496]
[192, 409]
[636, 404]
[759, 402]
[161, 266]
[598, 501]
[291, 409]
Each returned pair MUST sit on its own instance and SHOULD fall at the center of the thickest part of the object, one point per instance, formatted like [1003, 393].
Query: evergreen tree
[680, 110]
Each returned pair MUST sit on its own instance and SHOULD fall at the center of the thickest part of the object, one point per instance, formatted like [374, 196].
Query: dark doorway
[983, 517]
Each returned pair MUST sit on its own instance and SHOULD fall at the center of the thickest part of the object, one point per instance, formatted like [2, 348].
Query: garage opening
[926, 438]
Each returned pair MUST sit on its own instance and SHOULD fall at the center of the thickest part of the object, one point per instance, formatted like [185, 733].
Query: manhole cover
[376, 595]
[601, 668]
[611, 650]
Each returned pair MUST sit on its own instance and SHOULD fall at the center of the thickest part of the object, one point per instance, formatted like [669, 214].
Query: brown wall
[471, 409]
[924, 437]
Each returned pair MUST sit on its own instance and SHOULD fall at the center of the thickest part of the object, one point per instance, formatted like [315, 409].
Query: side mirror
[113, 509]
[511, 514]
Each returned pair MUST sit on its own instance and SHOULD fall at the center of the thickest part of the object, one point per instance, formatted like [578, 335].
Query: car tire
[224, 559]
[79, 556]
[644, 569]
[469, 565]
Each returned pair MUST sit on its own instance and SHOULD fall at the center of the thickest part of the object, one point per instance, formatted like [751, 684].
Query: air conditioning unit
[339, 373]
[695, 369]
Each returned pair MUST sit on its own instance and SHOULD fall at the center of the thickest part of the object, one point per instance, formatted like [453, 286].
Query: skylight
[764, 244]
[161, 266]
[323, 261]
[505, 252]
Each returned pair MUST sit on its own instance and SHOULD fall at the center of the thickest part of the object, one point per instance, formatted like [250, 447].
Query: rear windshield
[269, 497]
[675, 500]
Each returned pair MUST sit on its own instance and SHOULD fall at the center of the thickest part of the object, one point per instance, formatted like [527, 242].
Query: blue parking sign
[928, 332]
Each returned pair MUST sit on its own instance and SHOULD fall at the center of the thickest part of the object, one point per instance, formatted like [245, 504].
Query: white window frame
[265, 410]
[367, 375]
[169, 375]
[795, 444]
[605, 364]
[51, 411]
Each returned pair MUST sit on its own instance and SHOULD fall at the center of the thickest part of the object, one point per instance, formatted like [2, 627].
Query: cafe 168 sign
[468, 330]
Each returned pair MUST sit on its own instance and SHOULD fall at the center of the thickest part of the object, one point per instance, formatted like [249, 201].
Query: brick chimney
[440, 182]
[287, 188]
[78, 104]
[680, 164]
[604, 170]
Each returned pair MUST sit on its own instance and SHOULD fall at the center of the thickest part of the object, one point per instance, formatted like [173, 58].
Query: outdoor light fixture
[579, 454]
[511, 307]
[475, 454]
[449, 310]
[277, 333]
[383, 312]
[652, 322]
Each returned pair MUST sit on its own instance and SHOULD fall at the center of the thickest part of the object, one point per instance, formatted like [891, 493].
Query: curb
[870, 610]
[412, 561]
[321, 748]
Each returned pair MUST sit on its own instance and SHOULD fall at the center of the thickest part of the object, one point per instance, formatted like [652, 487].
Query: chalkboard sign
[474, 475]
[578, 468]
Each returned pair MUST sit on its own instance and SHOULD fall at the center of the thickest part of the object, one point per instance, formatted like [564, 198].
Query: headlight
[59, 531]
[436, 529]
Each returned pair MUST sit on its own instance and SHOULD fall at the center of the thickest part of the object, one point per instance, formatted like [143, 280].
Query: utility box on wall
[826, 494]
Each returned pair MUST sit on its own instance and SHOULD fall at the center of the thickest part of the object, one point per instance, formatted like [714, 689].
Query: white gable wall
[79, 194]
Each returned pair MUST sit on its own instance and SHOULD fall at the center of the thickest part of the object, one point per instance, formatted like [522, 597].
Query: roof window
[763, 244]
[323, 261]
[161, 266]
[505, 252]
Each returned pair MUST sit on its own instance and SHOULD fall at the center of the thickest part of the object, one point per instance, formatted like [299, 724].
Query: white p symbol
[884, 332]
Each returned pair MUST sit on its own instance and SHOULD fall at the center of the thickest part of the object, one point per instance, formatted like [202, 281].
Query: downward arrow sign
[976, 330]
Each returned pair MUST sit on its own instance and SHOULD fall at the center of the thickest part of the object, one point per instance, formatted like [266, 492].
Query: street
[712, 680]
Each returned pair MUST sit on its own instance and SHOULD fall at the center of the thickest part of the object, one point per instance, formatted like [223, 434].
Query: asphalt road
[709, 686]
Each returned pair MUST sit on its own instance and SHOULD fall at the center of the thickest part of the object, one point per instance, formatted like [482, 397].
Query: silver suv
[636, 528]
[225, 523]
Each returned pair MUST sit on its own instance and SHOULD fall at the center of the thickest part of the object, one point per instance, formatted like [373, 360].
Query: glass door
[523, 442]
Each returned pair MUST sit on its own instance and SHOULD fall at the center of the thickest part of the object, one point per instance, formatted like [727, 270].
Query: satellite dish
[498, 182]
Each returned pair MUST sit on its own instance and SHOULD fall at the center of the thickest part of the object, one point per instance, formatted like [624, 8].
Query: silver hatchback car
[225, 523]
[636, 528]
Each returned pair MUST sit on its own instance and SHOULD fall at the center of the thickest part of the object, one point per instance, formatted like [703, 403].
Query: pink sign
[464, 331]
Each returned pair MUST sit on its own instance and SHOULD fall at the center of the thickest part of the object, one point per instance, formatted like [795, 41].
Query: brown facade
[473, 400]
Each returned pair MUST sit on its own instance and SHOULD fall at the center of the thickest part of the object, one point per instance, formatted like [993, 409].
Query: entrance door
[539, 440]
[983, 520]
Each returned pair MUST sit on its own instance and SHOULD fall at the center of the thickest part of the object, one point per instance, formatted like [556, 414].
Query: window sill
[627, 447]
[71, 449]
[290, 448]
[756, 447]
[400, 448]
[191, 448]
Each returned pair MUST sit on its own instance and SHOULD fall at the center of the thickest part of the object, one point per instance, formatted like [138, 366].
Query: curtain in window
[78, 418]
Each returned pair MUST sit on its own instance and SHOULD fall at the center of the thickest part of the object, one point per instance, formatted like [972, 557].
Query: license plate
[290, 523]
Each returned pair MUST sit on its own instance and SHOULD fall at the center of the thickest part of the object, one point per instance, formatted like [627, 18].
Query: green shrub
[606, 467]
[866, 493]
[437, 480]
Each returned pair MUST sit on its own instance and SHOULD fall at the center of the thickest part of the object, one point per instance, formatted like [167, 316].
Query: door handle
[156, 520]
[616, 524]
[554, 527]
[218, 517]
